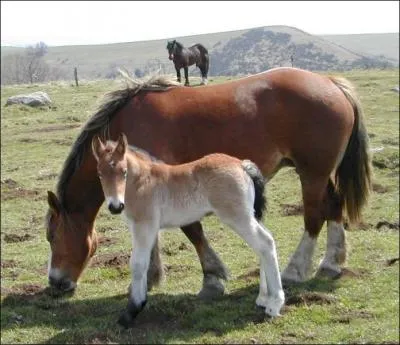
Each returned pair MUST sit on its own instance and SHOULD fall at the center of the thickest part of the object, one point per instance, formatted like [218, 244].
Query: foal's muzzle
[116, 210]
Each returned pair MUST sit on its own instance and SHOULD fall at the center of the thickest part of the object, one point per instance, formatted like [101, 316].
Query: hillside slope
[231, 53]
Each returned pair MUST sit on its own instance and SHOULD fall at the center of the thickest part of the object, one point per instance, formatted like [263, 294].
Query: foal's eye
[125, 172]
[99, 175]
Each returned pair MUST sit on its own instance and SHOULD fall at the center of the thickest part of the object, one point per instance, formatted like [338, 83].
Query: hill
[231, 53]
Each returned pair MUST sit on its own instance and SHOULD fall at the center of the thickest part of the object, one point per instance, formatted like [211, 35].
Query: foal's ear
[122, 144]
[54, 203]
[97, 147]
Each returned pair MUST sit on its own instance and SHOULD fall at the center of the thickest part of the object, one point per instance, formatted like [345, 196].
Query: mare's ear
[97, 147]
[122, 144]
[54, 203]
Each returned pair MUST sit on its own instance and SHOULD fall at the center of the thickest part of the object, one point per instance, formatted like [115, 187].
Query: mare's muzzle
[116, 209]
[171, 56]
[63, 284]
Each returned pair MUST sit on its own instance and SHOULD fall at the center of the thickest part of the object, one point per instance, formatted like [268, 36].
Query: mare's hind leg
[299, 265]
[213, 267]
[335, 254]
[203, 71]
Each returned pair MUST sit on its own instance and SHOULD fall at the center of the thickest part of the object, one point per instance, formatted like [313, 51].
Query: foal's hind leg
[271, 295]
[299, 265]
[213, 267]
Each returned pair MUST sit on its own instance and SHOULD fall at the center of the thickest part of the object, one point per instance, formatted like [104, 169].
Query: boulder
[34, 99]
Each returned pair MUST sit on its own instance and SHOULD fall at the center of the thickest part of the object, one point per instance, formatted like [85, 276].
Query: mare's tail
[255, 174]
[353, 176]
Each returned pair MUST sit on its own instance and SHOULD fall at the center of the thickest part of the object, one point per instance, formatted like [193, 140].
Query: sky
[102, 22]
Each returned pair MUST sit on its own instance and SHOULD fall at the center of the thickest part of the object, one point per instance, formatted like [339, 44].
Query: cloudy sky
[100, 22]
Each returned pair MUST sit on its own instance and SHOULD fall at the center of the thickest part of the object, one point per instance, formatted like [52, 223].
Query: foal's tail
[255, 174]
[353, 176]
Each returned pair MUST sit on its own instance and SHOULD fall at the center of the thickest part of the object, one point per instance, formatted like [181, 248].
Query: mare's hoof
[325, 272]
[212, 288]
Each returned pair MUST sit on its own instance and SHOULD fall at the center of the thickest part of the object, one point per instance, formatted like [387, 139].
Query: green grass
[354, 309]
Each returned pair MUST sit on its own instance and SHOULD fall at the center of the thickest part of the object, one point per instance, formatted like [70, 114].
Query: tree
[25, 67]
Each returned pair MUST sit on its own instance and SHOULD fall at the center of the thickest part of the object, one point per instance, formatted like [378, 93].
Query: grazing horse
[154, 195]
[282, 117]
[185, 57]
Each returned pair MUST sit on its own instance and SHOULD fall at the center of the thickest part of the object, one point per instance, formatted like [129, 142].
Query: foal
[155, 195]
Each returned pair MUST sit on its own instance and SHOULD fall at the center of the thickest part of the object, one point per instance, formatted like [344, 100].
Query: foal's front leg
[186, 69]
[143, 237]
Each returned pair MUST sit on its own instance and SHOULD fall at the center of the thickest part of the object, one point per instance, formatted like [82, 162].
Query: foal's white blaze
[298, 268]
[335, 247]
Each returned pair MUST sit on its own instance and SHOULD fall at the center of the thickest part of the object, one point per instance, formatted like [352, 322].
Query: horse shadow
[166, 317]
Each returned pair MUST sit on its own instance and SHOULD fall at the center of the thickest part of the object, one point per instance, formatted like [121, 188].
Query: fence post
[76, 76]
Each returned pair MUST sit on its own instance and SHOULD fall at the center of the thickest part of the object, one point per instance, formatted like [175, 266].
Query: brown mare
[153, 195]
[282, 117]
[184, 57]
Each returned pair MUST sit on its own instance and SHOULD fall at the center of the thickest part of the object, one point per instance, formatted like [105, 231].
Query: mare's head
[112, 170]
[71, 249]
[171, 45]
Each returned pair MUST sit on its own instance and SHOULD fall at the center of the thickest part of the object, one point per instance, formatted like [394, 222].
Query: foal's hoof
[212, 288]
[126, 320]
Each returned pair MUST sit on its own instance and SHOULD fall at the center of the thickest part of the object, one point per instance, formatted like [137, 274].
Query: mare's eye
[99, 175]
[125, 172]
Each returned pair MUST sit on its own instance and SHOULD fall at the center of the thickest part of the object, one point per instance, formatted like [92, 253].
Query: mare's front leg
[143, 237]
[213, 267]
[186, 69]
[178, 74]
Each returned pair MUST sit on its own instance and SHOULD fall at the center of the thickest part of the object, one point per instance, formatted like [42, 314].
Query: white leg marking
[144, 236]
[300, 263]
[335, 247]
[271, 295]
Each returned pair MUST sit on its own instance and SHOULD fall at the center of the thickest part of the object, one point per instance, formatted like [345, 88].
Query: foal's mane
[98, 123]
[179, 45]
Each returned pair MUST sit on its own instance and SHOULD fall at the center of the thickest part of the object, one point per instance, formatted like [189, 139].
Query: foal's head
[112, 170]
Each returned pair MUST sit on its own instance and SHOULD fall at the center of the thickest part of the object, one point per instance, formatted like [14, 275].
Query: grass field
[360, 307]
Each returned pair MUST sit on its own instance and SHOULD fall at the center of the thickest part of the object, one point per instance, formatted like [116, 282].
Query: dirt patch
[352, 273]
[347, 317]
[103, 229]
[56, 128]
[13, 238]
[106, 241]
[250, 275]
[8, 263]
[292, 209]
[110, 260]
[385, 224]
[11, 190]
[378, 188]
[177, 268]
[307, 298]
[47, 177]
[29, 140]
[66, 142]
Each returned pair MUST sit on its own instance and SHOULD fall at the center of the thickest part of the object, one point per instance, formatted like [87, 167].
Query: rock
[395, 89]
[34, 99]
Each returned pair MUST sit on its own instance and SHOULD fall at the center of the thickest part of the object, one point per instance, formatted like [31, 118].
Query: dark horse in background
[185, 57]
